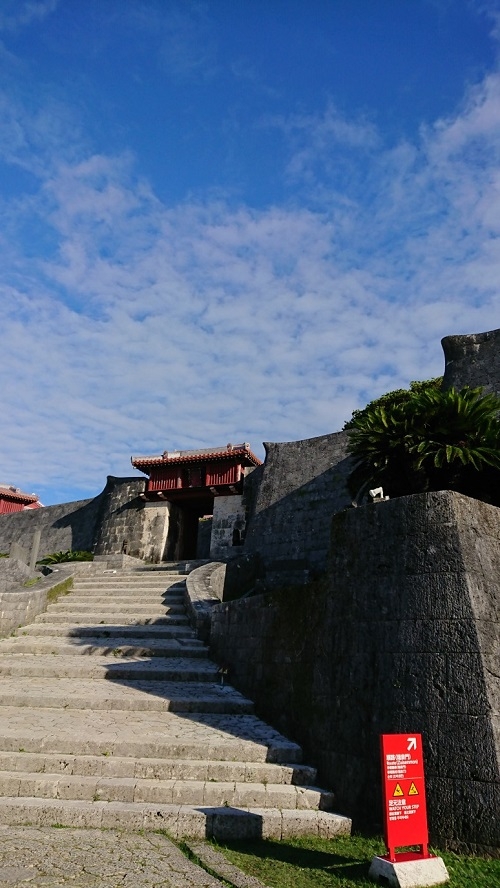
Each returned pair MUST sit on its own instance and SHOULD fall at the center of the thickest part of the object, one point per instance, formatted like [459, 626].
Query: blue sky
[234, 219]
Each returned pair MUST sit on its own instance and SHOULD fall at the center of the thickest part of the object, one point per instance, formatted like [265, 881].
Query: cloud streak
[131, 325]
[21, 13]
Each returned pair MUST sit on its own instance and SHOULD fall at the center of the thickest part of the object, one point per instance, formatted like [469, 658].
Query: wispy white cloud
[181, 34]
[147, 325]
[17, 14]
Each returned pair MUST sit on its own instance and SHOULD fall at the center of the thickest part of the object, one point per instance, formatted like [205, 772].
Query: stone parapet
[474, 360]
[293, 497]
[19, 606]
[204, 589]
[65, 526]
[402, 634]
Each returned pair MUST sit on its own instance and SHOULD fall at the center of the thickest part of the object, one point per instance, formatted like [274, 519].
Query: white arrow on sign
[412, 743]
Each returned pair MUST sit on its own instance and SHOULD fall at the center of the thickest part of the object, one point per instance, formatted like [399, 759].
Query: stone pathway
[112, 717]
[45, 857]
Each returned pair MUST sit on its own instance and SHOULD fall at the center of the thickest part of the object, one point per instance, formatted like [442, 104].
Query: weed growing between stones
[62, 588]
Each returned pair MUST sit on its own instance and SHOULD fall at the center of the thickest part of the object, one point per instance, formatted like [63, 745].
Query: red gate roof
[15, 500]
[176, 457]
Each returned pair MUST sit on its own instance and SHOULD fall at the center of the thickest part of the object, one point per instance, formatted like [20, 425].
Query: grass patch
[32, 581]
[62, 588]
[339, 863]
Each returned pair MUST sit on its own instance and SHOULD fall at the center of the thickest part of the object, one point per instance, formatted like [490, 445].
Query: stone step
[138, 607]
[156, 769]
[143, 734]
[138, 570]
[127, 589]
[115, 619]
[126, 579]
[139, 733]
[160, 594]
[179, 821]
[214, 793]
[108, 607]
[149, 631]
[156, 669]
[121, 694]
[117, 646]
[90, 599]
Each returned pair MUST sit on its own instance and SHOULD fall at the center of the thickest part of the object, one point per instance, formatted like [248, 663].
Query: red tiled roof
[183, 456]
[16, 494]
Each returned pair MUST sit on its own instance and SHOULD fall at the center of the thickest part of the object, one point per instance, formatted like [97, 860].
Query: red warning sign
[405, 811]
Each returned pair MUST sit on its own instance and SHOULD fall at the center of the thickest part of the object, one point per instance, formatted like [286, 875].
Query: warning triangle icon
[413, 790]
[398, 792]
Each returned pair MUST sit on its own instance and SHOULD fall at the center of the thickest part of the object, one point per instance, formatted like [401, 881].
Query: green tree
[429, 440]
[396, 397]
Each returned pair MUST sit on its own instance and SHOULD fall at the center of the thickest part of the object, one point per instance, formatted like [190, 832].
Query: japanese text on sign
[405, 813]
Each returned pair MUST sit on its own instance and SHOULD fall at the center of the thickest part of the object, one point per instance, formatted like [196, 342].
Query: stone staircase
[112, 715]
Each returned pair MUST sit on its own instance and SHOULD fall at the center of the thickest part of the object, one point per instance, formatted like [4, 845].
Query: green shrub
[394, 398]
[70, 555]
[430, 440]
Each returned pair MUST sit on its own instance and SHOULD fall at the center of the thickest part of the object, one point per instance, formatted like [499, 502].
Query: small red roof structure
[182, 476]
[12, 499]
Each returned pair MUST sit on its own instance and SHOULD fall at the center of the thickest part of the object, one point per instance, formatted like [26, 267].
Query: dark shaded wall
[292, 499]
[473, 360]
[65, 526]
[402, 635]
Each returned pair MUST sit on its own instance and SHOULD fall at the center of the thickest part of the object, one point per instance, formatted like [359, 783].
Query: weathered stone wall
[19, 606]
[204, 537]
[473, 360]
[228, 527]
[65, 526]
[14, 573]
[402, 635]
[114, 522]
[131, 525]
[301, 485]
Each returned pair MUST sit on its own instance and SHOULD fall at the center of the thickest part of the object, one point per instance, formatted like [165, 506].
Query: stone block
[477, 813]
[409, 874]
[121, 815]
[231, 823]
[460, 739]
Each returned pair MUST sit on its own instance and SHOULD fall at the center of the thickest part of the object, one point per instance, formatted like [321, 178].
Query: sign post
[405, 815]
[403, 788]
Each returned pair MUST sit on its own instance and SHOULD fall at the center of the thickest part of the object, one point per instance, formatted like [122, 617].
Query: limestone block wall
[114, 522]
[473, 360]
[13, 573]
[228, 527]
[301, 485]
[20, 605]
[402, 635]
[65, 526]
[204, 537]
[131, 525]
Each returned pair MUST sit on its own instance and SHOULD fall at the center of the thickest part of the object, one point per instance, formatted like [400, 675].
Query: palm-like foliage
[69, 555]
[433, 440]
[396, 398]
